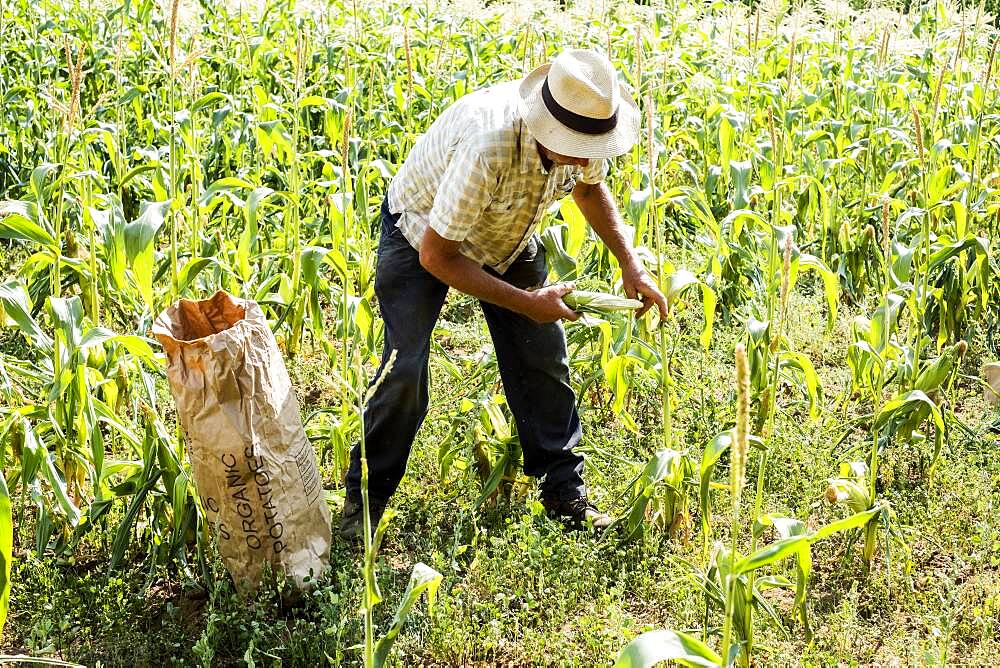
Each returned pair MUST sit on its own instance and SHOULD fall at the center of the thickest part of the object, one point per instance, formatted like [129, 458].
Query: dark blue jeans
[532, 360]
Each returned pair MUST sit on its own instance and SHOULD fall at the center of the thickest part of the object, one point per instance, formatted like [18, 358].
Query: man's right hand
[546, 304]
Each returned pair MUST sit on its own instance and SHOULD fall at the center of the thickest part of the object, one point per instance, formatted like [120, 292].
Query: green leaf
[312, 258]
[18, 221]
[15, 304]
[909, 412]
[944, 253]
[558, 259]
[314, 101]
[136, 171]
[225, 184]
[192, 268]
[616, 373]
[667, 468]
[733, 222]
[67, 316]
[831, 284]
[638, 203]
[677, 283]
[787, 527]
[576, 225]
[652, 647]
[140, 235]
[708, 302]
[136, 345]
[772, 553]
[497, 420]
[38, 176]
[709, 458]
[855, 521]
[937, 371]
[494, 479]
[742, 173]
[422, 579]
[799, 362]
[208, 100]
[40, 455]
[248, 239]
[727, 140]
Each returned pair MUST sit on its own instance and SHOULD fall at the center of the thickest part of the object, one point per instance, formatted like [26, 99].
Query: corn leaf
[577, 228]
[15, 304]
[909, 412]
[140, 235]
[422, 579]
[652, 647]
[772, 553]
[855, 521]
[18, 221]
[831, 284]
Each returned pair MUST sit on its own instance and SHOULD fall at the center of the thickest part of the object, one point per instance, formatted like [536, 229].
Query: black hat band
[573, 120]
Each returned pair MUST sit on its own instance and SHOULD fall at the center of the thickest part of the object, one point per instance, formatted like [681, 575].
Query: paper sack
[253, 466]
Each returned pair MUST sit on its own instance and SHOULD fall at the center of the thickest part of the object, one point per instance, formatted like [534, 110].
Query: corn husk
[584, 301]
[937, 371]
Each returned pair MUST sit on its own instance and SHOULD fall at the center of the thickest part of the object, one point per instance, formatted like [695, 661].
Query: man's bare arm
[598, 207]
[441, 257]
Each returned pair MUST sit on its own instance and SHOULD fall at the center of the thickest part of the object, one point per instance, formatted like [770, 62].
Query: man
[462, 213]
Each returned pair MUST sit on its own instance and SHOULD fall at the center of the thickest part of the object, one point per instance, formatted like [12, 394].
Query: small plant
[851, 489]
[6, 548]
[659, 496]
[422, 579]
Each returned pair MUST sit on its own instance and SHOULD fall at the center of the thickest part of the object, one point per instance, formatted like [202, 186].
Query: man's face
[560, 159]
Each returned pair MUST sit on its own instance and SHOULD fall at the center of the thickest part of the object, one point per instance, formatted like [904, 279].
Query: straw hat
[575, 106]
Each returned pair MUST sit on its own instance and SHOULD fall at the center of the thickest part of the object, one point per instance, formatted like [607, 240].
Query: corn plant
[609, 351]
[6, 548]
[713, 451]
[423, 578]
[851, 489]
[658, 496]
[876, 355]
[63, 423]
[496, 451]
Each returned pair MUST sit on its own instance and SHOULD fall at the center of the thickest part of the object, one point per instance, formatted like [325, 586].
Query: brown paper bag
[254, 468]
[991, 374]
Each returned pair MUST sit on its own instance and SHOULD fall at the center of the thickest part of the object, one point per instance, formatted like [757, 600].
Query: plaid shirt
[476, 177]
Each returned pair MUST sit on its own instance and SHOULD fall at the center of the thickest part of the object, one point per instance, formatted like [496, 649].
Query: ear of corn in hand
[584, 301]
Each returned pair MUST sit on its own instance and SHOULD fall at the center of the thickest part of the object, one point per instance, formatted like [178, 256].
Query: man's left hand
[638, 284]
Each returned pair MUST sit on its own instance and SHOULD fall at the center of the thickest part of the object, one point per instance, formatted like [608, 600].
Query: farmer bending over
[462, 213]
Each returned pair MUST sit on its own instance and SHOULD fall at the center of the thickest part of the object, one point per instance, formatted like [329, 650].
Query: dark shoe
[352, 521]
[577, 513]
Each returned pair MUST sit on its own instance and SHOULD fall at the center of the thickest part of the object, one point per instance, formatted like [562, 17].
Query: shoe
[577, 513]
[352, 521]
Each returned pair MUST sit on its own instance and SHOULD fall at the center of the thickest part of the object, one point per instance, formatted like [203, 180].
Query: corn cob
[939, 369]
[599, 302]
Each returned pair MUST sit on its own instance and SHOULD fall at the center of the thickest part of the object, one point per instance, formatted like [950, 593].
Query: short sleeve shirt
[476, 177]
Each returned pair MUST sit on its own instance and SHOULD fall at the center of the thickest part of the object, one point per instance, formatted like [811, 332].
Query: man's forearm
[465, 275]
[443, 259]
[599, 209]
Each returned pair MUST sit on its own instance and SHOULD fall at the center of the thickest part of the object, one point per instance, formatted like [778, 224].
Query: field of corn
[801, 456]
